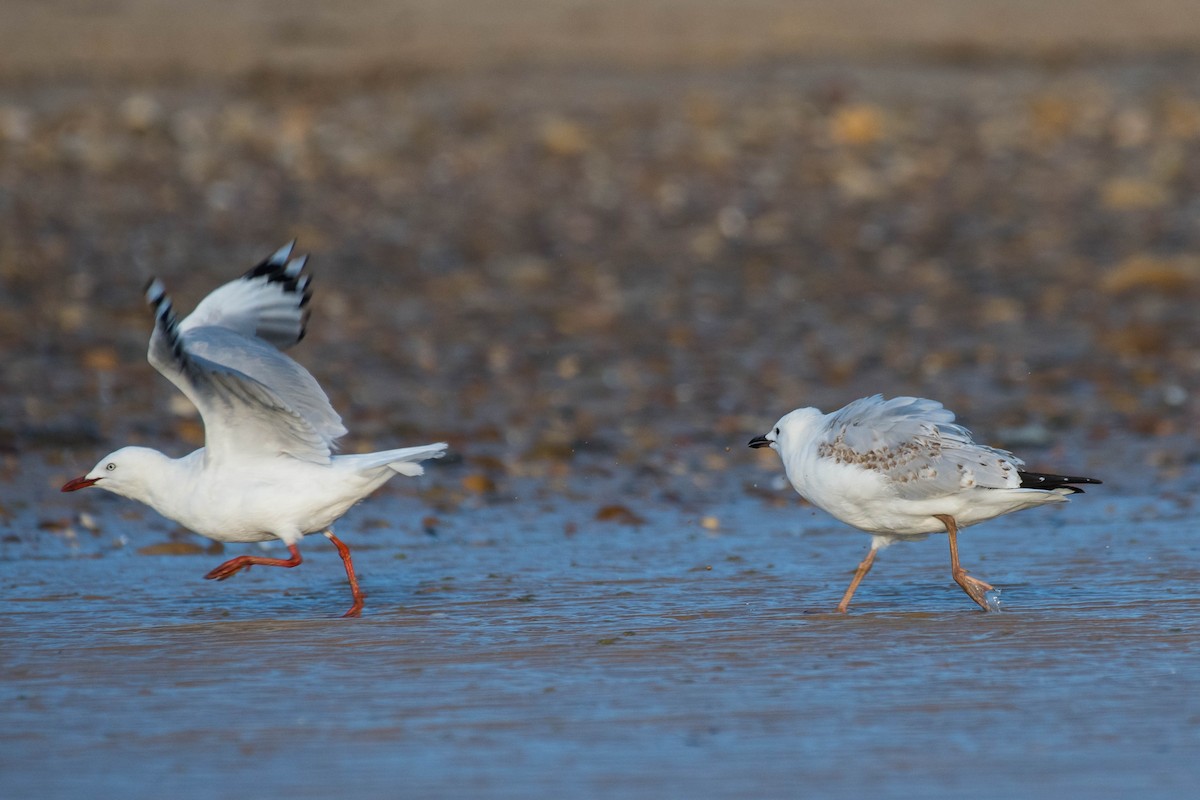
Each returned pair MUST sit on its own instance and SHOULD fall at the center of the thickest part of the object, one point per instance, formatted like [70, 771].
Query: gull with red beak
[267, 468]
[902, 469]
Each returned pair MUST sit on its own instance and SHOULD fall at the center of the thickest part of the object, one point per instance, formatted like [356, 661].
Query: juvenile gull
[267, 469]
[902, 468]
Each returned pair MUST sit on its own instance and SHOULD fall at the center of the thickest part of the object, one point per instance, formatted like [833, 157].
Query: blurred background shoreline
[554, 229]
[143, 38]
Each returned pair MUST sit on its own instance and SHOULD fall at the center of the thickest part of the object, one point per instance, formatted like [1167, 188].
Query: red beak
[78, 483]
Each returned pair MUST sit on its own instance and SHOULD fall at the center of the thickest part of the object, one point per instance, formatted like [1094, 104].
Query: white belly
[900, 517]
[281, 499]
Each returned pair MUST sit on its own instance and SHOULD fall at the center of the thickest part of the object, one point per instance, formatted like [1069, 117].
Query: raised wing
[916, 444]
[270, 302]
[254, 399]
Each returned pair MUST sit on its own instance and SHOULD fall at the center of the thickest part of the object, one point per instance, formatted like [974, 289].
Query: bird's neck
[164, 480]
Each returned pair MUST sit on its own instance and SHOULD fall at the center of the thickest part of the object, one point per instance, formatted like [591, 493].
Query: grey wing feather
[269, 302]
[917, 445]
[253, 398]
[272, 375]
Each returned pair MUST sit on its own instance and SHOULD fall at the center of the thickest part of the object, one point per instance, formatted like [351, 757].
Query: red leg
[975, 588]
[233, 565]
[859, 574]
[344, 552]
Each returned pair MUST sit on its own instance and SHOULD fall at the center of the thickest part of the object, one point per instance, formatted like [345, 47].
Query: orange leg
[344, 552]
[859, 574]
[233, 565]
[975, 588]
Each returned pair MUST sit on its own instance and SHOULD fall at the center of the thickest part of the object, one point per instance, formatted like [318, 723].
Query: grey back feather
[916, 445]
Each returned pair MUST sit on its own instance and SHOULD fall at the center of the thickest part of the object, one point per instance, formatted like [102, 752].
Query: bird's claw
[227, 570]
[976, 589]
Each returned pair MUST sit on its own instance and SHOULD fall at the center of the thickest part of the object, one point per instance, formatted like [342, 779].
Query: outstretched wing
[254, 400]
[917, 446]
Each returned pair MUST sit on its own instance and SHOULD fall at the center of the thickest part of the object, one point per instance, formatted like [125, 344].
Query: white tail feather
[405, 461]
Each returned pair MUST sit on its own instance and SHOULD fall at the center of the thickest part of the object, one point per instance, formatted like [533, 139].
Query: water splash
[993, 600]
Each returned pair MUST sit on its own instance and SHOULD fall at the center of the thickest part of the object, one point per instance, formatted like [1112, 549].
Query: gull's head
[123, 472]
[792, 429]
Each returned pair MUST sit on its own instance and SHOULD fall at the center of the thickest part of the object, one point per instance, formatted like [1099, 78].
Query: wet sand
[597, 265]
[527, 649]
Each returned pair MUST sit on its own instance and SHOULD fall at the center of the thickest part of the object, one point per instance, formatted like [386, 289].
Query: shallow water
[530, 649]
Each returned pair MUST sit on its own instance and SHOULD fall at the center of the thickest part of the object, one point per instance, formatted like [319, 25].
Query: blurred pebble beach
[541, 229]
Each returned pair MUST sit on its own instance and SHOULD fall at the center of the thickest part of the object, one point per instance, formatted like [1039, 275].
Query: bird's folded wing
[269, 302]
[254, 400]
[916, 445]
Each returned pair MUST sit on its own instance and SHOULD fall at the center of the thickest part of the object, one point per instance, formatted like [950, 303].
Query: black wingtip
[164, 314]
[275, 262]
[154, 291]
[1041, 480]
[156, 296]
[280, 267]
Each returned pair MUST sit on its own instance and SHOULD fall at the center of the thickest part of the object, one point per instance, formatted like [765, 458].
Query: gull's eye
[111, 466]
[776, 433]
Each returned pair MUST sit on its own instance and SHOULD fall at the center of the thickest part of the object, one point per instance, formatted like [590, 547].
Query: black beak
[760, 441]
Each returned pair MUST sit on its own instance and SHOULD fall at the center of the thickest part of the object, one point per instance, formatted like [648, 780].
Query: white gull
[267, 468]
[902, 468]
